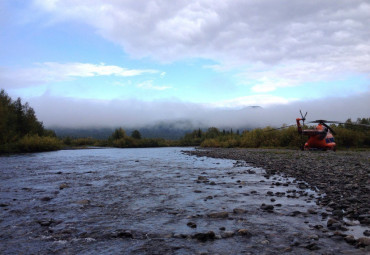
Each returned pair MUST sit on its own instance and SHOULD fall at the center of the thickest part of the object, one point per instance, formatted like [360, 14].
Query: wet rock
[3, 205]
[244, 232]
[270, 193]
[311, 211]
[202, 178]
[239, 211]
[197, 191]
[364, 218]
[191, 224]
[363, 241]
[312, 247]
[294, 213]
[367, 233]
[350, 239]
[295, 242]
[318, 226]
[268, 208]
[313, 237]
[45, 222]
[337, 214]
[227, 234]
[83, 202]
[212, 183]
[331, 222]
[265, 242]
[222, 228]
[63, 186]
[45, 199]
[203, 237]
[221, 215]
[272, 199]
[122, 234]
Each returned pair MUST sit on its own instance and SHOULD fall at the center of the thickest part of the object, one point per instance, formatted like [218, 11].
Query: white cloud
[52, 71]
[290, 40]
[57, 111]
[259, 100]
[149, 85]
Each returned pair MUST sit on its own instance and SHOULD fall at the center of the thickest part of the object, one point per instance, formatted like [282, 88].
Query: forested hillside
[20, 130]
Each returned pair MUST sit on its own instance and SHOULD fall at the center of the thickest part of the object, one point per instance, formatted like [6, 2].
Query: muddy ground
[165, 201]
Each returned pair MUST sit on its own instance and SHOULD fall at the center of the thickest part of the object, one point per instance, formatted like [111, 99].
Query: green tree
[118, 134]
[136, 134]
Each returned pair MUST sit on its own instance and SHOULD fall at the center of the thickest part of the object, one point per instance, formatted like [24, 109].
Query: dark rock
[312, 247]
[227, 234]
[311, 211]
[350, 239]
[218, 215]
[46, 199]
[45, 222]
[203, 237]
[122, 234]
[202, 178]
[268, 208]
[63, 186]
[244, 232]
[83, 202]
[363, 241]
[367, 232]
[191, 225]
[331, 222]
[239, 211]
[295, 213]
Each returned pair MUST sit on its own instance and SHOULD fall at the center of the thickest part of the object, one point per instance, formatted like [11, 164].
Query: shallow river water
[155, 201]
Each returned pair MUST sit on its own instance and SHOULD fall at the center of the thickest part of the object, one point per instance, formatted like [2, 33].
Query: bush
[35, 143]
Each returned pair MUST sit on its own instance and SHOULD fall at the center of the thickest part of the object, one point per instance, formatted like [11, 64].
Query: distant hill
[166, 131]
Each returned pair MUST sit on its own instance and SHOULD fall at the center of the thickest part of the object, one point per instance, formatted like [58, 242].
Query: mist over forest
[175, 115]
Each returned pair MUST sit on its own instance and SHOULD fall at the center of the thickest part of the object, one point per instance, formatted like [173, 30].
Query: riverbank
[342, 176]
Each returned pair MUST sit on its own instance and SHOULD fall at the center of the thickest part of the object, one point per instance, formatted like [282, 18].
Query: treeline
[20, 131]
[120, 139]
[348, 135]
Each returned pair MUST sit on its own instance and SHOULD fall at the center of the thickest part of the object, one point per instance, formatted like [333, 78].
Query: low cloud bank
[67, 112]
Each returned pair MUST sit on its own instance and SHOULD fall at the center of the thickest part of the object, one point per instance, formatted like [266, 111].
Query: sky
[138, 62]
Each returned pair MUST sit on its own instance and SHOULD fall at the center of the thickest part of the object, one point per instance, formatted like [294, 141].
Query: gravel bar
[343, 176]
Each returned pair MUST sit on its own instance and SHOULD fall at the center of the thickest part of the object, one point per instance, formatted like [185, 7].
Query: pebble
[219, 215]
[63, 186]
[191, 224]
[244, 232]
[203, 237]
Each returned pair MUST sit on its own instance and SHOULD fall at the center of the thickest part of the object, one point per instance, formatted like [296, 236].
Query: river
[155, 201]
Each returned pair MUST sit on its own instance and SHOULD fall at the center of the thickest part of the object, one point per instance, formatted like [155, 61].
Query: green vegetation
[119, 139]
[348, 135]
[20, 131]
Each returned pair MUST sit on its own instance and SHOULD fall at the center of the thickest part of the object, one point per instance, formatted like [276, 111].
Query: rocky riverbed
[165, 201]
[343, 178]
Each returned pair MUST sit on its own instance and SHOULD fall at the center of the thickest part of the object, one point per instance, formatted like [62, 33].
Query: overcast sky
[136, 62]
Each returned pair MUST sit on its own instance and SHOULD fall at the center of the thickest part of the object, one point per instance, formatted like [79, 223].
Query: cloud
[149, 85]
[68, 112]
[52, 72]
[333, 33]
[259, 100]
